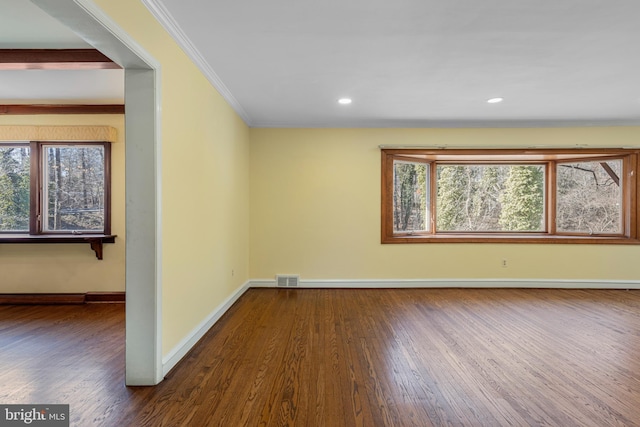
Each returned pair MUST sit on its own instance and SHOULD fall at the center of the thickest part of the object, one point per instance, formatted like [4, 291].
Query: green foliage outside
[410, 196]
[468, 197]
[472, 197]
[14, 189]
[498, 197]
[74, 178]
[523, 199]
[453, 187]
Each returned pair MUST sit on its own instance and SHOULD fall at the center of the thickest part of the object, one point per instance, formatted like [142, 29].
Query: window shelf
[95, 240]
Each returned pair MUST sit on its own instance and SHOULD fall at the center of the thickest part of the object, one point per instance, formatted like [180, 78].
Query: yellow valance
[58, 133]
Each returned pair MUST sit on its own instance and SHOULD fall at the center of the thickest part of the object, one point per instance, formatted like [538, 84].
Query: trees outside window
[490, 198]
[510, 195]
[74, 190]
[14, 188]
[589, 197]
[410, 196]
[523, 199]
[54, 188]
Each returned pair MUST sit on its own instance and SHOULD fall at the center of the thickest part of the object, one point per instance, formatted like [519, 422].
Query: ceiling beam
[25, 110]
[54, 59]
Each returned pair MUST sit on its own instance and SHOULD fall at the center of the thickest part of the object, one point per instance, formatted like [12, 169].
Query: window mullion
[634, 199]
[433, 195]
[631, 195]
[35, 188]
[551, 205]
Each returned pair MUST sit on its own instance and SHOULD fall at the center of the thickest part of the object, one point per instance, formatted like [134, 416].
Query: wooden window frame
[548, 157]
[36, 232]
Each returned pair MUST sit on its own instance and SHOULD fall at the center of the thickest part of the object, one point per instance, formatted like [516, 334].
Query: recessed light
[495, 100]
[344, 101]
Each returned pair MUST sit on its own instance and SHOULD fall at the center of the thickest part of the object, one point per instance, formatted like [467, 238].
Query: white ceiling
[405, 63]
[24, 26]
[61, 86]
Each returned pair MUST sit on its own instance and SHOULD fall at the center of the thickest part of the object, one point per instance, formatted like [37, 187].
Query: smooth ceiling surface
[61, 87]
[416, 62]
[405, 63]
[25, 26]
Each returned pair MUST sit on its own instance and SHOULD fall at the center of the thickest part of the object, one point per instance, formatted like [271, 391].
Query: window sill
[95, 240]
[516, 238]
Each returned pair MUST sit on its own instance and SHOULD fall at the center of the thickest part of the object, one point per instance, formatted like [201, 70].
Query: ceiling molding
[451, 124]
[54, 59]
[160, 12]
[25, 110]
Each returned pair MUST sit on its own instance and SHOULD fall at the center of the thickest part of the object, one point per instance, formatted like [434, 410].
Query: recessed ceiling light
[495, 100]
[344, 101]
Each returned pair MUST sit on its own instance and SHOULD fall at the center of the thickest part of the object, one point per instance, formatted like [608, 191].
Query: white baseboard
[457, 283]
[183, 347]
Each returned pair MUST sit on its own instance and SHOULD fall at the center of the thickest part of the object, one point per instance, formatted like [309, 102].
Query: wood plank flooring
[387, 357]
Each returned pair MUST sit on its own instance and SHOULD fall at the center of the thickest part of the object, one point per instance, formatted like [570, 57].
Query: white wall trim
[143, 349]
[456, 283]
[182, 348]
[160, 12]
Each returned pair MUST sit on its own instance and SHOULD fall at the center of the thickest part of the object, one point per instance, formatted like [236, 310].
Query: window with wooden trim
[55, 188]
[559, 195]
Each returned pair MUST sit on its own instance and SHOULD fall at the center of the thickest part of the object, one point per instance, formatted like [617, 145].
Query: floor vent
[283, 281]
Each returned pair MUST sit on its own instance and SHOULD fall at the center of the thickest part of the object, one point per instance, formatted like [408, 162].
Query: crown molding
[160, 12]
[390, 123]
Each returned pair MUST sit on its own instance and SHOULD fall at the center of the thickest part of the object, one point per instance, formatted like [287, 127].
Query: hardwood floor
[71, 354]
[401, 357]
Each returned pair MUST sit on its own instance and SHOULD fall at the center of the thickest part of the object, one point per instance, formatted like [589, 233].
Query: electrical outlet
[504, 263]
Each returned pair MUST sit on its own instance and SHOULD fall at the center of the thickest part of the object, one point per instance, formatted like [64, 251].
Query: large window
[49, 188]
[573, 196]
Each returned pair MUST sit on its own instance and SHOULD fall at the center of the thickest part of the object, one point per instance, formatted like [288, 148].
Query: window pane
[589, 197]
[490, 198]
[410, 196]
[14, 188]
[74, 188]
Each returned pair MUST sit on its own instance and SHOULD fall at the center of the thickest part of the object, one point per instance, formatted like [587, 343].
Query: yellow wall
[70, 268]
[205, 182]
[315, 210]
